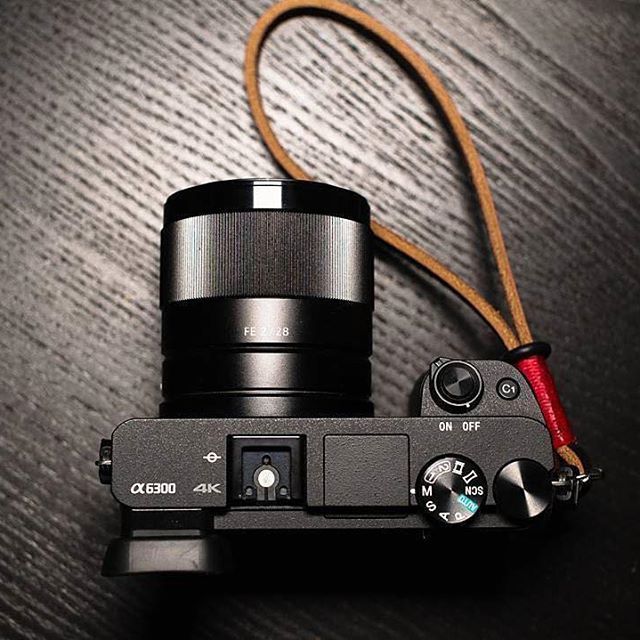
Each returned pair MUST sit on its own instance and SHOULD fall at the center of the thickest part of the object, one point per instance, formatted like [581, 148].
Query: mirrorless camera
[266, 422]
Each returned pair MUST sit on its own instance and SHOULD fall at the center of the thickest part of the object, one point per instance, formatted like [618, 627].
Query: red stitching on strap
[536, 371]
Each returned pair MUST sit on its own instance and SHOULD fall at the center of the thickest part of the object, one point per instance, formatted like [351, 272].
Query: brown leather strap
[360, 20]
[364, 22]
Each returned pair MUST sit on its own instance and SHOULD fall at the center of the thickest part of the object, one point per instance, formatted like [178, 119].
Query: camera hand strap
[528, 356]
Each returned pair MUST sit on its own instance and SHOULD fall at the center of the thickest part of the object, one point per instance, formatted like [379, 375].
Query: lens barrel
[267, 299]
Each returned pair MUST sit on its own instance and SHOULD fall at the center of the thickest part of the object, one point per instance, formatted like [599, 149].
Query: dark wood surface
[108, 107]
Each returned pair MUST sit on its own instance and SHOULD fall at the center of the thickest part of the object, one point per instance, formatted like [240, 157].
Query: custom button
[508, 389]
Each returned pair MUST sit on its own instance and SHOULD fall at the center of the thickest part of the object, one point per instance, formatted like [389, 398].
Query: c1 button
[508, 389]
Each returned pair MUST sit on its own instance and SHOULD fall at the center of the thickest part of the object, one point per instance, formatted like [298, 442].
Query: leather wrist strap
[512, 338]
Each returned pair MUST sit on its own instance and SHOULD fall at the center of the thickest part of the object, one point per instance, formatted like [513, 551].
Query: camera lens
[266, 297]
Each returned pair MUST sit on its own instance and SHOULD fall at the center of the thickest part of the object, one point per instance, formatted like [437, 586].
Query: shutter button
[456, 386]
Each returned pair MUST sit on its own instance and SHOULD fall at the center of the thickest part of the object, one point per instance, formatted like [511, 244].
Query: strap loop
[539, 376]
[404, 53]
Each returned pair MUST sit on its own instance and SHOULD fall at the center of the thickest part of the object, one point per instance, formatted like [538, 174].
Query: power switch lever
[456, 386]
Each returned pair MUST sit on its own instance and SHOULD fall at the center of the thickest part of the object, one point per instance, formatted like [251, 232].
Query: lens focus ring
[265, 254]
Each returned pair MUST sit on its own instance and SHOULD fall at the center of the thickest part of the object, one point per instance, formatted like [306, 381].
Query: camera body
[266, 423]
[480, 461]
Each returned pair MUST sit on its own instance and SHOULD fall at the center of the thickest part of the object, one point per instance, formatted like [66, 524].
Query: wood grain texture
[108, 107]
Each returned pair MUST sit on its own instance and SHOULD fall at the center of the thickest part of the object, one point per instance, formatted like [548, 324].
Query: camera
[266, 422]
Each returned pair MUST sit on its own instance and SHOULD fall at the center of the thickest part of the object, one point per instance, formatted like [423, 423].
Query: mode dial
[451, 489]
[456, 386]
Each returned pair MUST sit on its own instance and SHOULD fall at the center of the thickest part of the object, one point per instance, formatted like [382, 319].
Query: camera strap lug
[571, 486]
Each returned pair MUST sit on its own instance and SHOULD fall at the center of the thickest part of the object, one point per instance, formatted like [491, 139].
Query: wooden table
[108, 107]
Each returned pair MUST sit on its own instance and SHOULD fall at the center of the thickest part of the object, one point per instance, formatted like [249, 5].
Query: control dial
[456, 386]
[522, 490]
[451, 489]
